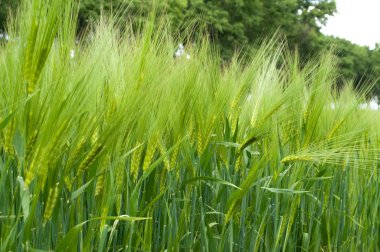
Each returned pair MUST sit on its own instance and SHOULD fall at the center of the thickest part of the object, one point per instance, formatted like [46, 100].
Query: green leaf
[146, 209]
[81, 189]
[283, 191]
[6, 120]
[236, 197]
[205, 178]
[24, 195]
[36, 250]
[229, 144]
[69, 242]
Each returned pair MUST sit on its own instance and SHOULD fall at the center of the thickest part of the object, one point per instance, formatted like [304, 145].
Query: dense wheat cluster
[123, 148]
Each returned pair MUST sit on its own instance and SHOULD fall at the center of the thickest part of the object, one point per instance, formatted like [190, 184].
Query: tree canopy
[6, 6]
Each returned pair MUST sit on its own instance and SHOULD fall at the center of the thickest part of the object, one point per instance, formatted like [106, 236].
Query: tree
[357, 63]
[6, 7]
[233, 23]
[375, 67]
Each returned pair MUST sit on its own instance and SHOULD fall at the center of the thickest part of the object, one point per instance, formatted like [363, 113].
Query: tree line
[237, 25]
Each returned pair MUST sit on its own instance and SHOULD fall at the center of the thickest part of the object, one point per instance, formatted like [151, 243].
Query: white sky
[357, 21]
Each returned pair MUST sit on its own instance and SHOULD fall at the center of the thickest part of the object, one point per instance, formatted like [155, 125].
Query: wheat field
[120, 147]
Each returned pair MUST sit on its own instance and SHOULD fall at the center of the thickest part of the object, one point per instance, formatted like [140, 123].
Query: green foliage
[375, 67]
[6, 7]
[232, 24]
[358, 63]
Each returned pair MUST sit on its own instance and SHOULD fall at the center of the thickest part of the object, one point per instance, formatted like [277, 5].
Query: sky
[357, 21]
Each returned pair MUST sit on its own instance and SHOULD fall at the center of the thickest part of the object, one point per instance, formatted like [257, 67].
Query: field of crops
[120, 147]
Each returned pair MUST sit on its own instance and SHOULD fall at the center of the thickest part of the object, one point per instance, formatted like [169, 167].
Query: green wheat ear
[90, 158]
[149, 154]
[296, 158]
[51, 202]
[135, 162]
[99, 185]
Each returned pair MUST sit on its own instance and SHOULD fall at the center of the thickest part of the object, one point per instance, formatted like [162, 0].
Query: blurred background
[308, 26]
